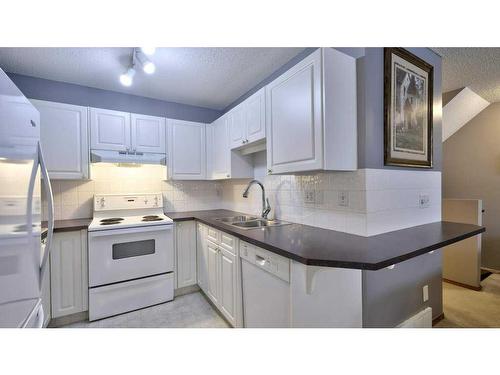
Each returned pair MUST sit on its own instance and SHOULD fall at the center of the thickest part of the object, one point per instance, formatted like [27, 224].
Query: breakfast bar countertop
[323, 247]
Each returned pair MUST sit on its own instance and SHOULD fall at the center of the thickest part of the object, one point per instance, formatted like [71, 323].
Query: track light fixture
[127, 78]
[147, 65]
[138, 55]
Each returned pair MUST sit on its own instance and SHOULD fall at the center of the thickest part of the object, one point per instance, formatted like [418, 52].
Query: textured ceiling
[207, 77]
[477, 68]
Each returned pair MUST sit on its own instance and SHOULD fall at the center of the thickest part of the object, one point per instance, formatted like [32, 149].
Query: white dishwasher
[266, 288]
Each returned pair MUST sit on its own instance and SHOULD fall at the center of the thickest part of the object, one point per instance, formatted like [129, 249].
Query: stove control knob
[145, 200]
[102, 202]
[156, 201]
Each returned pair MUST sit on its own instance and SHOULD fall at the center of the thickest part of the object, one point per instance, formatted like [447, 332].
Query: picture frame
[408, 101]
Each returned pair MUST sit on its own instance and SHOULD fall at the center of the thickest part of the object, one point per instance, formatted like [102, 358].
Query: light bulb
[127, 78]
[148, 50]
[149, 67]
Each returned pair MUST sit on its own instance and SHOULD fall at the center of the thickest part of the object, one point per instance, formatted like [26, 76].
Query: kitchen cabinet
[109, 130]
[223, 163]
[247, 121]
[123, 131]
[222, 272]
[202, 256]
[187, 150]
[213, 272]
[185, 245]
[148, 133]
[68, 278]
[311, 115]
[68, 159]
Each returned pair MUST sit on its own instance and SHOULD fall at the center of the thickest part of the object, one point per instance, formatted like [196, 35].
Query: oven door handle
[114, 232]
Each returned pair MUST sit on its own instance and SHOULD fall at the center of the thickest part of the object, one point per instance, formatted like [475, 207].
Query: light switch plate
[343, 199]
[424, 200]
[309, 196]
[425, 293]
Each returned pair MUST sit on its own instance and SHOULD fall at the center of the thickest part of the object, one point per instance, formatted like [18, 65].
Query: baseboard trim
[437, 319]
[68, 319]
[476, 288]
[186, 290]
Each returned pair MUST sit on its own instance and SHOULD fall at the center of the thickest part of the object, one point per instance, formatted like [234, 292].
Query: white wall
[380, 200]
[73, 199]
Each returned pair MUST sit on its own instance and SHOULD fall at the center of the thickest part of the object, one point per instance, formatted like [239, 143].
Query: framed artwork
[408, 109]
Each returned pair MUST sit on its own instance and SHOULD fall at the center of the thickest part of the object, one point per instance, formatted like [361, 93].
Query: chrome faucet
[266, 207]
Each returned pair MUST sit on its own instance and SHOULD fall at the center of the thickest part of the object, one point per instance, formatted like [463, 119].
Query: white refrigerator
[23, 260]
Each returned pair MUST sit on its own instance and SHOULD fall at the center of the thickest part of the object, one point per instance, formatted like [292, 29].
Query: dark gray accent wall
[371, 110]
[44, 89]
[392, 296]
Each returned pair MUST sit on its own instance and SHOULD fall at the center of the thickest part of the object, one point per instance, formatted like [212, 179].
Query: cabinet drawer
[228, 242]
[213, 235]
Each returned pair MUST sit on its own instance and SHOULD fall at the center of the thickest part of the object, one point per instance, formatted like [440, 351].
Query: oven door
[125, 254]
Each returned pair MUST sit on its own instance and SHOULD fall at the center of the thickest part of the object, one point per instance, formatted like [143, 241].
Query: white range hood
[103, 156]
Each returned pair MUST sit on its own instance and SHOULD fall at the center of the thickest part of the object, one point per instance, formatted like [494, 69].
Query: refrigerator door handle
[50, 213]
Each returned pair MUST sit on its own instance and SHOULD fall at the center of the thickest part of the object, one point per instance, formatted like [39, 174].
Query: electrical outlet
[309, 196]
[425, 293]
[343, 199]
[424, 200]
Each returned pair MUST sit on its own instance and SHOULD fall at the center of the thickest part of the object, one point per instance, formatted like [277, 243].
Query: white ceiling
[206, 77]
[476, 68]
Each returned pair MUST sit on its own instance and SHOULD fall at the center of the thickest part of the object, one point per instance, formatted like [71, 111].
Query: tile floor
[187, 311]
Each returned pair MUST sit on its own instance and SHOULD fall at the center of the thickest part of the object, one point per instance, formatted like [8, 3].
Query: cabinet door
[58, 121]
[202, 257]
[228, 284]
[68, 266]
[148, 133]
[255, 116]
[213, 272]
[294, 118]
[109, 130]
[187, 160]
[236, 123]
[185, 241]
[221, 153]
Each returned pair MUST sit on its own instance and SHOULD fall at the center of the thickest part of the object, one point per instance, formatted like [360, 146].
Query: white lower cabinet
[218, 272]
[185, 247]
[202, 256]
[69, 275]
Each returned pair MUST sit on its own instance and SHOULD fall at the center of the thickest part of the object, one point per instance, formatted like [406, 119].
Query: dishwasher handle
[261, 261]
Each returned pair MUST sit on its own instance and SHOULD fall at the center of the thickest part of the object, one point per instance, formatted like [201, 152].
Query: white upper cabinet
[148, 133]
[220, 153]
[247, 121]
[237, 131]
[109, 130]
[187, 150]
[64, 139]
[222, 163]
[255, 116]
[311, 115]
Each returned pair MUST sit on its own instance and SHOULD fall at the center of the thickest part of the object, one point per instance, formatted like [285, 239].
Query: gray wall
[471, 170]
[392, 296]
[371, 107]
[44, 89]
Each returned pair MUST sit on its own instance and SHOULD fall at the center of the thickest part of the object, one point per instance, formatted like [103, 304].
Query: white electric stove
[131, 254]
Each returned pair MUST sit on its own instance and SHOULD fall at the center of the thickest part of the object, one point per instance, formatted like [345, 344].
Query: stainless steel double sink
[251, 222]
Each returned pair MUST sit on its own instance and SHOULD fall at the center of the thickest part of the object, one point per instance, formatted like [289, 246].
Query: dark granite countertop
[67, 225]
[329, 248]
